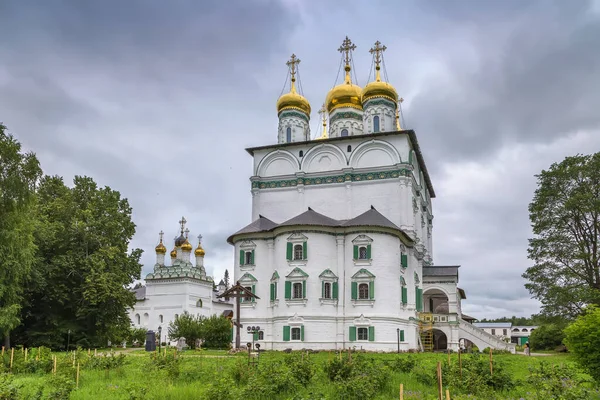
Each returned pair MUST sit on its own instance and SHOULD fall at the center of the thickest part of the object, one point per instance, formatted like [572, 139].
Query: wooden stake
[73, 359]
[2, 351]
[447, 394]
[77, 380]
[401, 391]
[54, 371]
[95, 352]
[26, 354]
[12, 356]
[439, 376]
[460, 364]
[89, 352]
[448, 357]
[491, 363]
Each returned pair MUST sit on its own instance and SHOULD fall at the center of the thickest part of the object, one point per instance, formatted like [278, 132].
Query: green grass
[200, 368]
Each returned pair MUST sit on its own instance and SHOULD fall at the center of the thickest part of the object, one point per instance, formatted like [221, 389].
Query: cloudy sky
[159, 100]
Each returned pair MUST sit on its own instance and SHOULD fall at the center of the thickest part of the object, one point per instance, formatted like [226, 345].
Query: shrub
[186, 326]
[546, 337]
[402, 364]
[241, 371]
[476, 378]
[221, 389]
[169, 362]
[216, 332]
[583, 340]
[60, 387]
[338, 368]
[8, 389]
[303, 367]
[557, 382]
[272, 379]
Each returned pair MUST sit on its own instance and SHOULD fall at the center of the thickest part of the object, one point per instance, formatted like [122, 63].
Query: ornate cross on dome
[292, 63]
[323, 113]
[347, 47]
[377, 51]
[200, 239]
[182, 222]
[187, 233]
[161, 233]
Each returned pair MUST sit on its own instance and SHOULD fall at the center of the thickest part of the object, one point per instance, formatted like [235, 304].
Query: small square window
[363, 291]
[248, 257]
[298, 252]
[298, 291]
[362, 253]
[493, 331]
[295, 333]
[363, 334]
[327, 290]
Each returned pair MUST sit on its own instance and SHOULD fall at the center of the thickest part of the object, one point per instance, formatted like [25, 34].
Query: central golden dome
[379, 89]
[344, 95]
[186, 246]
[293, 101]
[160, 249]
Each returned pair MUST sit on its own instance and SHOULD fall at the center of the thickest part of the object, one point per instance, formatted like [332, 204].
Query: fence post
[447, 394]
[439, 376]
[401, 391]
[12, 356]
[491, 363]
[460, 363]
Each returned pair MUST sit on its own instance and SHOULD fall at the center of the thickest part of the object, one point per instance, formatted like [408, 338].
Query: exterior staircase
[426, 330]
[482, 339]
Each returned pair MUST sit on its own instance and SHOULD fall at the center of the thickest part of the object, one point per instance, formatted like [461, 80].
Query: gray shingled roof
[140, 293]
[262, 224]
[311, 217]
[371, 217]
[441, 270]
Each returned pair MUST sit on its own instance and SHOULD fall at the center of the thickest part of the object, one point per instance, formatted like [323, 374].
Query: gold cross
[346, 47]
[161, 233]
[199, 239]
[292, 63]
[187, 233]
[378, 51]
[182, 223]
[323, 112]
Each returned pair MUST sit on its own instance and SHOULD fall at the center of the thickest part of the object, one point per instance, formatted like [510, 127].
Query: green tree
[546, 337]
[583, 340]
[186, 326]
[216, 332]
[565, 217]
[19, 175]
[226, 279]
[83, 268]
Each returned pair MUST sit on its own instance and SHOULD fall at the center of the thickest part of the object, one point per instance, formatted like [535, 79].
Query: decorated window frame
[293, 331]
[247, 259]
[362, 330]
[403, 258]
[273, 295]
[292, 280]
[359, 279]
[297, 249]
[418, 294]
[329, 287]
[249, 282]
[362, 250]
[403, 292]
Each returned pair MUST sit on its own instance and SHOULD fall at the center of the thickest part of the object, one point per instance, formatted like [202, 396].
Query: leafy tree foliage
[19, 175]
[565, 216]
[583, 340]
[216, 332]
[226, 279]
[186, 326]
[83, 266]
[518, 321]
[547, 337]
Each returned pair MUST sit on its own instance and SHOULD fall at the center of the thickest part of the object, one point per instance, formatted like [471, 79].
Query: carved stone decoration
[415, 205]
[362, 321]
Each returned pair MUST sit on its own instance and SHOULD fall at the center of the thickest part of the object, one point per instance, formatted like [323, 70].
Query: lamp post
[398, 334]
[159, 338]
[254, 331]
[68, 340]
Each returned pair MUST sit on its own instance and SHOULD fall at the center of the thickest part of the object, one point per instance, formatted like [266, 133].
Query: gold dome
[160, 249]
[199, 252]
[186, 246]
[379, 89]
[344, 95]
[293, 100]
[173, 253]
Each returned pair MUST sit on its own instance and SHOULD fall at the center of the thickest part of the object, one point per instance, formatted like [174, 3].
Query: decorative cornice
[257, 183]
[345, 115]
[293, 113]
[377, 101]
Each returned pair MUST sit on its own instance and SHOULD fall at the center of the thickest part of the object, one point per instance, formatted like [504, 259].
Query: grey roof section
[311, 217]
[221, 283]
[140, 293]
[262, 224]
[468, 317]
[492, 324]
[371, 217]
[451, 270]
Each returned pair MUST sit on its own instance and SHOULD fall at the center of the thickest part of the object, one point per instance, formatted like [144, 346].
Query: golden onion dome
[346, 94]
[160, 249]
[293, 101]
[186, 246]
[199, 251]
[379, 89]
[173, 253]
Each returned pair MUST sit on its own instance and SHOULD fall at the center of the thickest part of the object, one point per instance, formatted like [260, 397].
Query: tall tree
[19, 175]
[226, 279]
[565, 216]
[84, 266]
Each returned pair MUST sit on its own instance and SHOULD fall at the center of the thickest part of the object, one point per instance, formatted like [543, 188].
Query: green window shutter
[420, 299]
[252, 258]
[352, 333]
[255, 336]
[286, 333]
[404, 295]
[303, 289]
[305, 250]
[322, 289]
[354, 290]
[335, 290]
[356, 252]
[253, 292]
[402, 335]
[272, 291]
[275, 290]
[290, 250]
[288, 289]
[241, 257]
[372, 290]
[371, 334]
[368, 252]
[404, 260]
[302, 333]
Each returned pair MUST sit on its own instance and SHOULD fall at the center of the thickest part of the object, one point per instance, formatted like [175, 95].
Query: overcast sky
[158, 100]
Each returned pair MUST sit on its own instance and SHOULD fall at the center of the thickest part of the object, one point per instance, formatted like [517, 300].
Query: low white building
[500, 329]
[178, 287]
[520, 334]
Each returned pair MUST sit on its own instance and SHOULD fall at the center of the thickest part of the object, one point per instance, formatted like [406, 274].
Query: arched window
[344, 132]
[288, 134]
[363, 291]
[248, 298]
[327, 290]
[376, 123]
[349, 148]
[199, 303]
[301, 154]
[298, 291]
[137, 319]
[146, 318]
[249, 260]
[298, 253]
[362, 253]
[160, 318]
[261, 335]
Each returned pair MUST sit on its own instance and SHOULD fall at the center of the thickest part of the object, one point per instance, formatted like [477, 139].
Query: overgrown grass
[216, 375]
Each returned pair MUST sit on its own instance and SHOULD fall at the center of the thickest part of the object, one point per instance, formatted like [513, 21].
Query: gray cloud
[159, 101]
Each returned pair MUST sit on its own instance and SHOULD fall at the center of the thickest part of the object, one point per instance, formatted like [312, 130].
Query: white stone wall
[387, 117]
[354, 126]
[326, 324]
[300, 129]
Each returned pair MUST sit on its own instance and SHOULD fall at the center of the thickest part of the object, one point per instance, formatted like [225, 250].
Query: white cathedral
[339, 250]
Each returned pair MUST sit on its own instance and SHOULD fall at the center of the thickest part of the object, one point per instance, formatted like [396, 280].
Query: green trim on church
[379, 101]
[345, 115]
[294, 113]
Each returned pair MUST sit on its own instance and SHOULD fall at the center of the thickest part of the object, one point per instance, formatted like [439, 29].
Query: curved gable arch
[374, 153]
[324, 157]
[278, 162]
